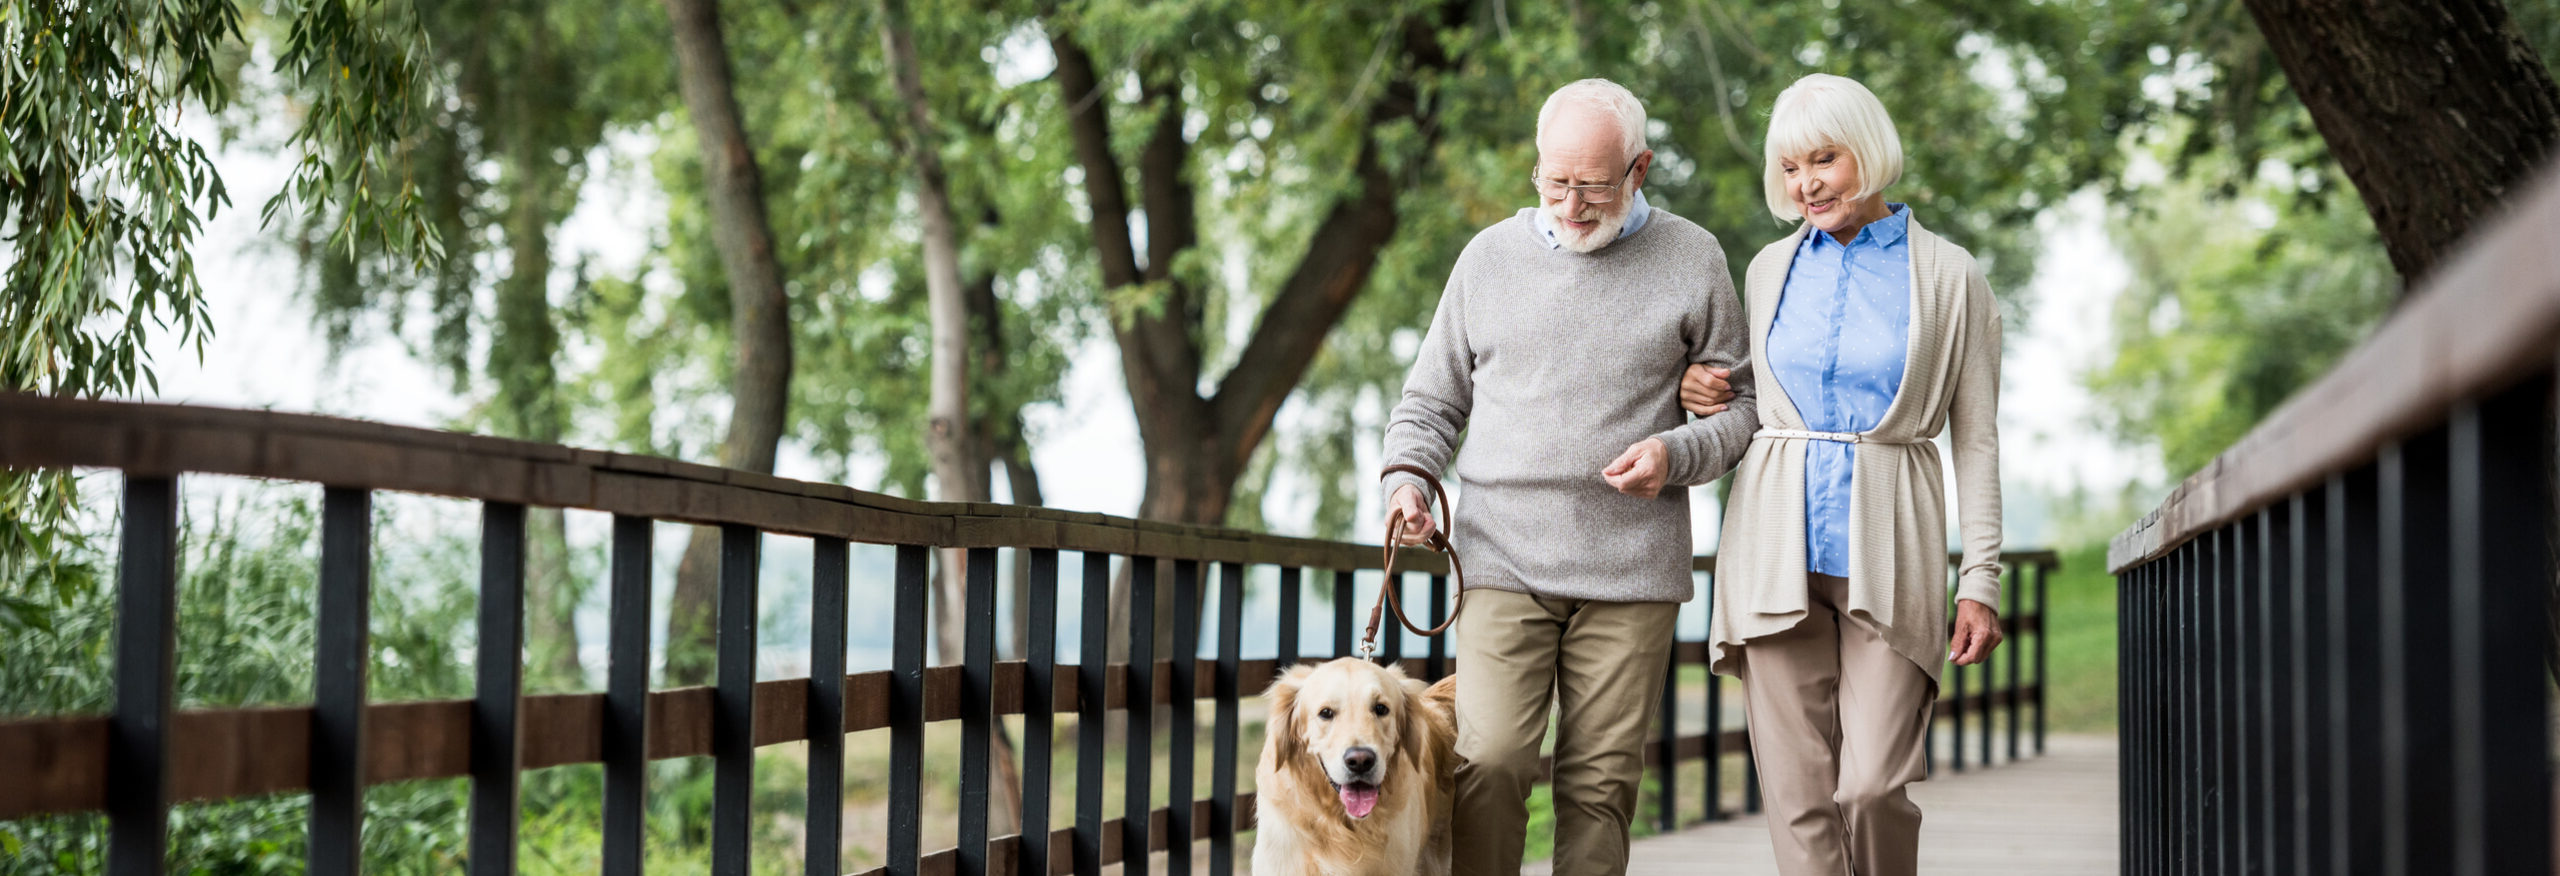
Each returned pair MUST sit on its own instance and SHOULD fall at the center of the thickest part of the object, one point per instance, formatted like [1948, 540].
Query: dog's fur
[1303, 825]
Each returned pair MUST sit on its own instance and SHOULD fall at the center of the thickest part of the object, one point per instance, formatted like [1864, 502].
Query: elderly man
[1558, 347]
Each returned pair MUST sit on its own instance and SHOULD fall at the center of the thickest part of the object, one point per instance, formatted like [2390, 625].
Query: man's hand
[1703, 390]
[1639, 471]
[1418, 524]
[1977, 632]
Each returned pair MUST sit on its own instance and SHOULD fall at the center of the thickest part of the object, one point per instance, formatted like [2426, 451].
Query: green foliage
[2235, 303]
[100, 191]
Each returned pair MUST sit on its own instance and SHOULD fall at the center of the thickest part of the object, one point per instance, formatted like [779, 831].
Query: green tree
[2256, 261]
[2236, 301]
[102, 194]
[531, 92]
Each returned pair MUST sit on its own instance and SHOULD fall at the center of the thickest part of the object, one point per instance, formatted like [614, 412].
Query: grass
[2082, 695]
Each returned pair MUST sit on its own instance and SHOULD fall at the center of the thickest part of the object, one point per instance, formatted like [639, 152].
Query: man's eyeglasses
[1555, 190]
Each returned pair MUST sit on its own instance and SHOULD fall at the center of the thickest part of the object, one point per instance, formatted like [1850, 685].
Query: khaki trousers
[1603, 663]
[1838, 724]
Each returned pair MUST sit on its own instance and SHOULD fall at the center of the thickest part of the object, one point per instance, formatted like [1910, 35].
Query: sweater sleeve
[1973, 414]
[1439, 393]
[1703, 449]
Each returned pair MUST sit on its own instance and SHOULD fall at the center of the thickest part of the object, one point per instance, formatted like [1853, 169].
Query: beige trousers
[1838, 729]
[1602, 662]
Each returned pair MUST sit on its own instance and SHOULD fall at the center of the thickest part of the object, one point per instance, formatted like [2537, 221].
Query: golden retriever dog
[1357, 774]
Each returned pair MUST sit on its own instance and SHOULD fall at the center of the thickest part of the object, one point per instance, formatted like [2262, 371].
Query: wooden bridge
[2053, 815]
[136, 762]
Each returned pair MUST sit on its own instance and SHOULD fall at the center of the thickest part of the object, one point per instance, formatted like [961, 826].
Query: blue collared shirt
[1636, 216]
[1838, 346]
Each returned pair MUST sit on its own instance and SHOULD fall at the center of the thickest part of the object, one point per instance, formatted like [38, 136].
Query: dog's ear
[1282, 727]
[1413, 728]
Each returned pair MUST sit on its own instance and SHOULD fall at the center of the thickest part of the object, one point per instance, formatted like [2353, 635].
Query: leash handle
[1438, 541]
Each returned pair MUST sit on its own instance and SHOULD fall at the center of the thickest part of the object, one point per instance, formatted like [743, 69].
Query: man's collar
[1636, 216]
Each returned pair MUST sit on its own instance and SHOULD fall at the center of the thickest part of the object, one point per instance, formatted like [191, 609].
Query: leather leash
[1438, 541]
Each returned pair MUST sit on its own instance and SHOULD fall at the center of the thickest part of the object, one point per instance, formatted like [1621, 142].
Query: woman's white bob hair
[1825, 110]
[1609, 98]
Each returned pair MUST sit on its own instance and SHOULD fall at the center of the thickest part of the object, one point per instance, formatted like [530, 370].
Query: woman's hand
[1418, 524]
[1703, 390]
[1977, 632]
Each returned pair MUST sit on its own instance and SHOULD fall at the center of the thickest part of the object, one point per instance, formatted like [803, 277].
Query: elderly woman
[1870, 336]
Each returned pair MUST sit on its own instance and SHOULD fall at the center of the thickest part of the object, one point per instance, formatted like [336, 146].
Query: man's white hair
[1825, 110]
[1607, 97]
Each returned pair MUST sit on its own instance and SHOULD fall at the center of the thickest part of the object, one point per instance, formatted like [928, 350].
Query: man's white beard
[1601, 234]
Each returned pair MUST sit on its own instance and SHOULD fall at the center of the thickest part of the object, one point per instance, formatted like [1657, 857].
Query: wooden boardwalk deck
[2051, 816]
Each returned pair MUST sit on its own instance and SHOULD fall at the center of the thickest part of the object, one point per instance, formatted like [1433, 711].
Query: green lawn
[2083, 659]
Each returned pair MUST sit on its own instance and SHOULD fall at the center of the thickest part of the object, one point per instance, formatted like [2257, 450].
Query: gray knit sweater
[1553, 362]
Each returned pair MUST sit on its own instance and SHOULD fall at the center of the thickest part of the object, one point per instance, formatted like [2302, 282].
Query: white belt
[1842, 437]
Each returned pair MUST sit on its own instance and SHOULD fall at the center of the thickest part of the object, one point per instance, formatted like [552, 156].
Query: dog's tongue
[1358, 800]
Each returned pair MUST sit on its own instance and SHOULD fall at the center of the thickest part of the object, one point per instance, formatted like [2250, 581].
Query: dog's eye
[1325, 714]
[1378, 709]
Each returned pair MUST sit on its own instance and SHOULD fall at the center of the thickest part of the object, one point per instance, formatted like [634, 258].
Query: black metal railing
[137, 762]
[2333, 638]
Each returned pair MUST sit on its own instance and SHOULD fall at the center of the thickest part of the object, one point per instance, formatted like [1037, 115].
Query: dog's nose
[1360, 760]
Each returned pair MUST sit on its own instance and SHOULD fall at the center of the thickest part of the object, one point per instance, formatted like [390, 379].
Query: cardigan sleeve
[1974, 413]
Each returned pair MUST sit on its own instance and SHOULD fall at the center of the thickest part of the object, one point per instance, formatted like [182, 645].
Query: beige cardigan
[1897, 504]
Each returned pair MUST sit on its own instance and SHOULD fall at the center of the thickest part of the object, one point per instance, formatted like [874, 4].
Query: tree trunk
[523, 356]
[960, 461]
[2436, 110]
[1197, 447]
[759, 314]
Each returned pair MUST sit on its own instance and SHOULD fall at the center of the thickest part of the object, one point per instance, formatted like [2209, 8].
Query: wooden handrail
[2488, 317]
[165, 439]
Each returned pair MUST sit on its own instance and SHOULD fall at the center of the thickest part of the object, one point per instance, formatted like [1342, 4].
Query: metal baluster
[1390, 631]
[1290, 595]
[342, 655]
[1091, 711]
[626, 698]
[2239, 726]
[1955, 720]
[1436, 665]
[977, 705]
[2501, 518]
[1222, 757]
[2355, 624]
[2208, 716]
[2017, 580]
[1039, 697]
[2127, 707]
[2307, 516]
[1142, 696]
[497, 704]
[137, 792]
[2276, 687]
[1712, 785]
[2044, 623]
[1667, 745]
[829, 602]
[2191, 783]
[733, 714]
[1344, 589]
[1180, 746]
[906, 710]
[2418, 738]
[1750, 783]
